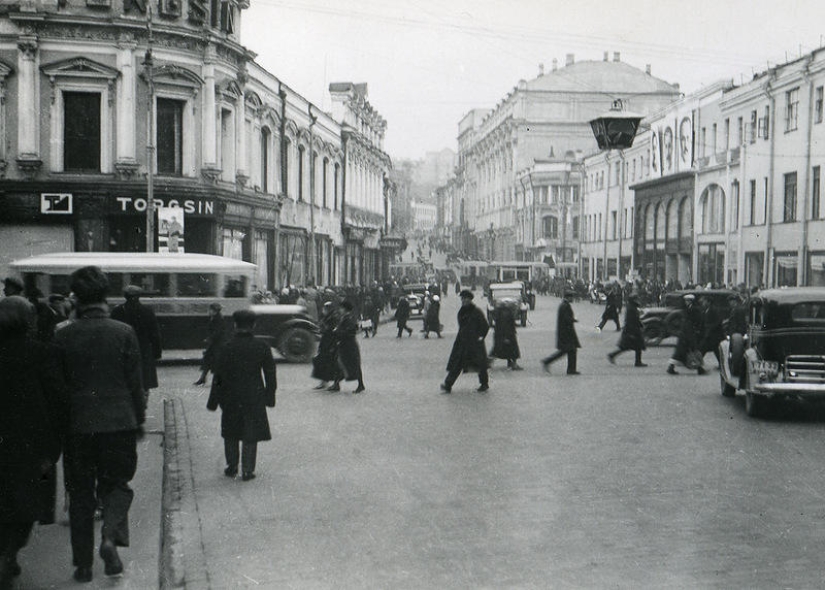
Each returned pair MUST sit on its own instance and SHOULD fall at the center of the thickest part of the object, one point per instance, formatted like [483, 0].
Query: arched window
[301, 154]
[713, 210]
[551, 227]
[266, 137]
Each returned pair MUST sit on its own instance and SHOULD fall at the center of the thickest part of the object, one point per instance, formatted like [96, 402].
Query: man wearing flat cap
[469, 352]
[143, 320]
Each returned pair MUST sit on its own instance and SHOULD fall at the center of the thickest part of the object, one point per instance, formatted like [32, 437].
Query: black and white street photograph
[411, 296]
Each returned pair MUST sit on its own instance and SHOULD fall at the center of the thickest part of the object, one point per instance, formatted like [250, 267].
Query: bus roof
[521, 263]
[67, 262]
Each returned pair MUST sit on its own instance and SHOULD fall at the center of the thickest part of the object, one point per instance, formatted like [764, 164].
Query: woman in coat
[432, 321]
[505, 341]
[243, 395]
[469, 352]
[349, 355]
[214, 341]
[32, 424]
[632, 337]
[325, 362]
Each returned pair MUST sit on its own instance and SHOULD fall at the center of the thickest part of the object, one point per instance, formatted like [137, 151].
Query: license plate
[764, 366]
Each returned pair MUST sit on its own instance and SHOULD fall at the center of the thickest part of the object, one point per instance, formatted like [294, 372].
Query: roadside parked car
[783, 354]
[665, 321]
[513, 293]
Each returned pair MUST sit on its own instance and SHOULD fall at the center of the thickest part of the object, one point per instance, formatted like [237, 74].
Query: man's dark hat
[244, 317]
[132, 291]
[13, 282]
[466, 293]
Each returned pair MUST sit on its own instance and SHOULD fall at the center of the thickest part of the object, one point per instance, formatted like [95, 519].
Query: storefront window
[754, 269]
[786, 263]
[816, 269]
[712, 264]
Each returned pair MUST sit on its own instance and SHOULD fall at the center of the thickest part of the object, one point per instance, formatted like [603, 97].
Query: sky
[429, 62]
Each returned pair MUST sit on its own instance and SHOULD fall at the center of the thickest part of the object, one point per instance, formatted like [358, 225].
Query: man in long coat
[143, 320]
[469, 352]
[505, 340]
[33, 420]
[243, 386]
[402, 314]
[687, 345]
[566, 339]
[632, 334]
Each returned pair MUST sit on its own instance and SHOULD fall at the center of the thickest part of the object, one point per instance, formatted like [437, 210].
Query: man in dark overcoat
[349, 354]
[243, 386]
[566, 339]
[107, 410]
[402, 314]
[469, 352]
[632, 334]
[33, 420]
[143, 320]
[687, 344]
[505, 340]
[612, 307]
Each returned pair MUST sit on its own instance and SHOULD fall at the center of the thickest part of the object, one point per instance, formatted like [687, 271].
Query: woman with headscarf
[505, 341]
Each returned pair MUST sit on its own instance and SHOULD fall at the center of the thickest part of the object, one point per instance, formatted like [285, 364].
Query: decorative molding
[127, 169]
[241, 179]
[29, 166]
[80, 67]
[27, 45]
[211, 174]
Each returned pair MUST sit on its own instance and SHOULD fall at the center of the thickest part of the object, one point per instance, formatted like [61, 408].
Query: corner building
[259, 173]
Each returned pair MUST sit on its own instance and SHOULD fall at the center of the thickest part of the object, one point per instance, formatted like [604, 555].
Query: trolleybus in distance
[180, 288]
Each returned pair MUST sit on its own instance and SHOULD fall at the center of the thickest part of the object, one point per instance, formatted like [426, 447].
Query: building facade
[519, 170]
[724, 186]
[98, 94]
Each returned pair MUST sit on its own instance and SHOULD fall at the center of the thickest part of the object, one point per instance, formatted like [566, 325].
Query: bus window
[153, 284]
[197, 285]
[234, 287]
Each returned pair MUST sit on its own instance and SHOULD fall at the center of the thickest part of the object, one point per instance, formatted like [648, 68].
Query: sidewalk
[47, 559]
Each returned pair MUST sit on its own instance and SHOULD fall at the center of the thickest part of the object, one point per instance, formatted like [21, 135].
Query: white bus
[179, 288]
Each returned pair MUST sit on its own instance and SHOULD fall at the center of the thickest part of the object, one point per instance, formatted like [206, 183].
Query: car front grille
[805, 369]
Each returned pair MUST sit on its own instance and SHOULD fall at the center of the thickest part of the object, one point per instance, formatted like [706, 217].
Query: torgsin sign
[198, 207]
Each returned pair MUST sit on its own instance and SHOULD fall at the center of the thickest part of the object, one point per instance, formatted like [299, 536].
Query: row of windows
[82, 146]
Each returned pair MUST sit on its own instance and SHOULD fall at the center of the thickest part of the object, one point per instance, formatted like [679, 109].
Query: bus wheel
[297, 345]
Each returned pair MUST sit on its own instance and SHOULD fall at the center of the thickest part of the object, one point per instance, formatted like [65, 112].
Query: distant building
[519, 173]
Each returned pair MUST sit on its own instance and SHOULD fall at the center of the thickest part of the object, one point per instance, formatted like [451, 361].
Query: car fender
[724, 366]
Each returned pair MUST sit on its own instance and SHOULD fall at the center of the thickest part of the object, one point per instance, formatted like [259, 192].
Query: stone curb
[182, 562]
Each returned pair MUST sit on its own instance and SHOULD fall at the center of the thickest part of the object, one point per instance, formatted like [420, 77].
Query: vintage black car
[415, 294]
[513, 294]
[665, 321]
[782, 355]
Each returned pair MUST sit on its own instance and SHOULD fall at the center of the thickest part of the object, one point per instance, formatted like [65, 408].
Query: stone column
[241, 175]
[209, 138]
[125, 154]
[28, 129]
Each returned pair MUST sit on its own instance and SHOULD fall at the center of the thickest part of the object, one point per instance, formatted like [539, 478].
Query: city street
[618, 478]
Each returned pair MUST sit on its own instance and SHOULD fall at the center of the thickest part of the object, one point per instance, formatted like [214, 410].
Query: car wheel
[727, 389]
[297, 345]
[737, 354]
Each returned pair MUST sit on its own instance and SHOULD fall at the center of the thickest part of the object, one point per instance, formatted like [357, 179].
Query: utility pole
[148, 63]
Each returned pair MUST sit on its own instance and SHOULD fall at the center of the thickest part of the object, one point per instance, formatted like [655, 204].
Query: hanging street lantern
[617, 128]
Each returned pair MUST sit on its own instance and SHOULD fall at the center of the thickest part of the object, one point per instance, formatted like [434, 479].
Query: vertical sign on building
[170, 230]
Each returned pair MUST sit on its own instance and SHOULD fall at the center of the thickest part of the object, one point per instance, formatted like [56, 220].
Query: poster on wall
[170, 230]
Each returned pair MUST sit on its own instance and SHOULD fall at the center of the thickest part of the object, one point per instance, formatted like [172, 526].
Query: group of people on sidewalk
[80, 391]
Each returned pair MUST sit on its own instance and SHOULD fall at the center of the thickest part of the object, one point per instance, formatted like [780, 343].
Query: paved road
[618, 478]
[622, 477]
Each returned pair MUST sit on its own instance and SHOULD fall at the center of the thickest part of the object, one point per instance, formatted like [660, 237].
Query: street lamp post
[148, 63]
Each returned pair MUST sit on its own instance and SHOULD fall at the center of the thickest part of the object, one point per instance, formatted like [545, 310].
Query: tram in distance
[180, 288]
